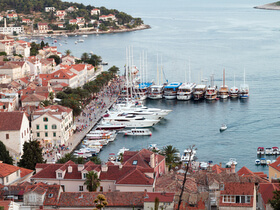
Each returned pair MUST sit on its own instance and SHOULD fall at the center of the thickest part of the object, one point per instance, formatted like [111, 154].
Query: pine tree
[5, 155]
[32, 154]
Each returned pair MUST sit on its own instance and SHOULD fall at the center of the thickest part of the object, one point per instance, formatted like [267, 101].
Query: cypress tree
[5, 155]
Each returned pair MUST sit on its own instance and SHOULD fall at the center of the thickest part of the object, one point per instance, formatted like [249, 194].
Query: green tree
[51, 96]
[101, 201]
[113, 70]
[56, 59]
[275, 201]
[4, 154]
[67, 52]
[32, 154]
[85, 57]
[66, 158]
[45, 103]
[96, 160]
[156, 203]
[170, 155]
[92, 181]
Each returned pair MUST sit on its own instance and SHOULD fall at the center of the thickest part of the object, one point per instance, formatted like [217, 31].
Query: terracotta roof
[114, 199]
[217, 169]
[5, 204]
[162, 196]
[244, 171]
[7, 169]
[63, 74]
[78, 67]
[24, 172]
[266, 190]
[276, 164]
[10, 120]
[33, 98]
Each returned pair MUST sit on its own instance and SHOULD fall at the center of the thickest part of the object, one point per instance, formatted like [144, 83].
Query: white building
[53, 124]
[48, 9]
[14, 131]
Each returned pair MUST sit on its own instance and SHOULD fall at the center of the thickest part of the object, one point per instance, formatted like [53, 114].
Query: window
[45, 119]
[229, 199]
[134, 162]
[7, 136]
[17, 172]
[54, 134]
[84, 175]
[81, 188]
[7, 179]
[38, 134]
[101, 189]
[248, 200]
[59, 175]
[37, 127]
[46, 134]
[54, 126]
[46, 127]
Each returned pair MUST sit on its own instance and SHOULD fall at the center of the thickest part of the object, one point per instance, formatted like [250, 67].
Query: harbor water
[211, 36]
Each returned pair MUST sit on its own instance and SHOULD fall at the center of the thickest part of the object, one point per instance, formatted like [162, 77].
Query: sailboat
[186, 89]
[244, 90]
[223, 91]
[156, 91]
[233, 92]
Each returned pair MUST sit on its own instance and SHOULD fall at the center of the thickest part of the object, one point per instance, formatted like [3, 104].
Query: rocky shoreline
[271, 6]
[80, 32]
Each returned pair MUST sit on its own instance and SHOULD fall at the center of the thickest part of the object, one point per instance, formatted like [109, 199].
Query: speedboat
[268, 151]
[263, 161]
[257, 161]
[199, 92]
[223, 127]
[230, 162]
[260, 151]
[275, 151]
[185, 91]
[112, 157]
[268, 162]
[137, 132]
[188, 155]
[109, 126]
[140, 113]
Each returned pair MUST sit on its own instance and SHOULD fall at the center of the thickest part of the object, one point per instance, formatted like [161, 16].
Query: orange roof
[276, 164]
[63, 74]
[78, 67]
[7, 169]
[162, 196]
[266, 190]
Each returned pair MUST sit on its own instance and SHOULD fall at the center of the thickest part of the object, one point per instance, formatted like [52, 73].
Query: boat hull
[170, 97]
[184, 97]
[155, 96]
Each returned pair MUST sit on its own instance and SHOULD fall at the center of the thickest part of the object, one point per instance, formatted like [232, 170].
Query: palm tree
[85, 57]
[92, 181]
[169, 153]
[67, 52]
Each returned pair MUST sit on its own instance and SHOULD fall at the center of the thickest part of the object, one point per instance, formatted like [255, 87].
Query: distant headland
[271, 6]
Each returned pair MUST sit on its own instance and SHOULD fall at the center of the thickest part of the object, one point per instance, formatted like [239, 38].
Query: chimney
[70, 169]
[120, 166]
[104, 168]
[221, 164]
[232, 168]
[152, 160]
[80, 167]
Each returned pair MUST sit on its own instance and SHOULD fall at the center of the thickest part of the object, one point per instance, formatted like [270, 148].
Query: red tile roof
[266, 190]
[5, 204]
[162, 196]
[276, 164]
[11, 120]
[7, 169]
[33, 98]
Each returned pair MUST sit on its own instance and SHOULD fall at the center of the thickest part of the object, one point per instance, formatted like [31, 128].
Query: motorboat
[232, 161]
[211, 93]
[80, 40]
[199, 92]
[203, 165]
[275, 151]
[188, 155]
[109, 126]
[140, 113]
[223, 91]
[233, 92]
[260, 151]
[85, 35]
[185, 91]
[153, 147]
[257, 161]
[170, 90]
[263, 161]
[268, 162]
[130, 120]
[122, 150]
[223, 127]
[155, 92]
[137, 132]
[268, 151]
[142, 90]
[112, 157]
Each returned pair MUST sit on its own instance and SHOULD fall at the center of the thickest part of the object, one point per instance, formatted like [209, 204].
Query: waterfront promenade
[90, 116]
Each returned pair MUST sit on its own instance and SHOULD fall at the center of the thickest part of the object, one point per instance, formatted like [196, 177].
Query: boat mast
[224, 78]
[157, 72]
[126, 72]
[244, 75]
[189, 71]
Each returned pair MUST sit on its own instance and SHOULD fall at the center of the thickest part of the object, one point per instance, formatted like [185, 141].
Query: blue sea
[210, 35]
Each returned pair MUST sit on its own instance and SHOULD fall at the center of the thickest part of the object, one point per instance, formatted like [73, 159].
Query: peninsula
[271, 6]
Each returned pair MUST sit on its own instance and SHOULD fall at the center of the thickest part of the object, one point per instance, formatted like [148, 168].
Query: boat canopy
[173, 85]
[145, 85]
[262, 158]
[260, 148]
[275, 148]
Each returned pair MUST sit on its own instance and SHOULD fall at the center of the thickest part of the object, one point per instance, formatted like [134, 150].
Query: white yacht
[233, 92]
[185, 91]
[223, 91]
[244, 90]
[199, 92]
[230, 162]
[211, 93]
[130, 120]
[137, 132]
[155, 92]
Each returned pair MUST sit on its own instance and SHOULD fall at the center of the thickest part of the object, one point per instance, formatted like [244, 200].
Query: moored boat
[155, 92]
[211, 93]
[257, 161]
[199, 92]
[188, 155]
[185, 91]
[263, 161]
[233, 92]
[244, 90]
[260, 151]
[223, 91]
[268, 151]
[170, 90]
[112, 157]
[109, 126]
[275, 151]
[138, 132]
[232, 161]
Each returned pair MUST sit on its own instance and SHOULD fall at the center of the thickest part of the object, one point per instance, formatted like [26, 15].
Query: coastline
[88, 32]
[271, 6]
